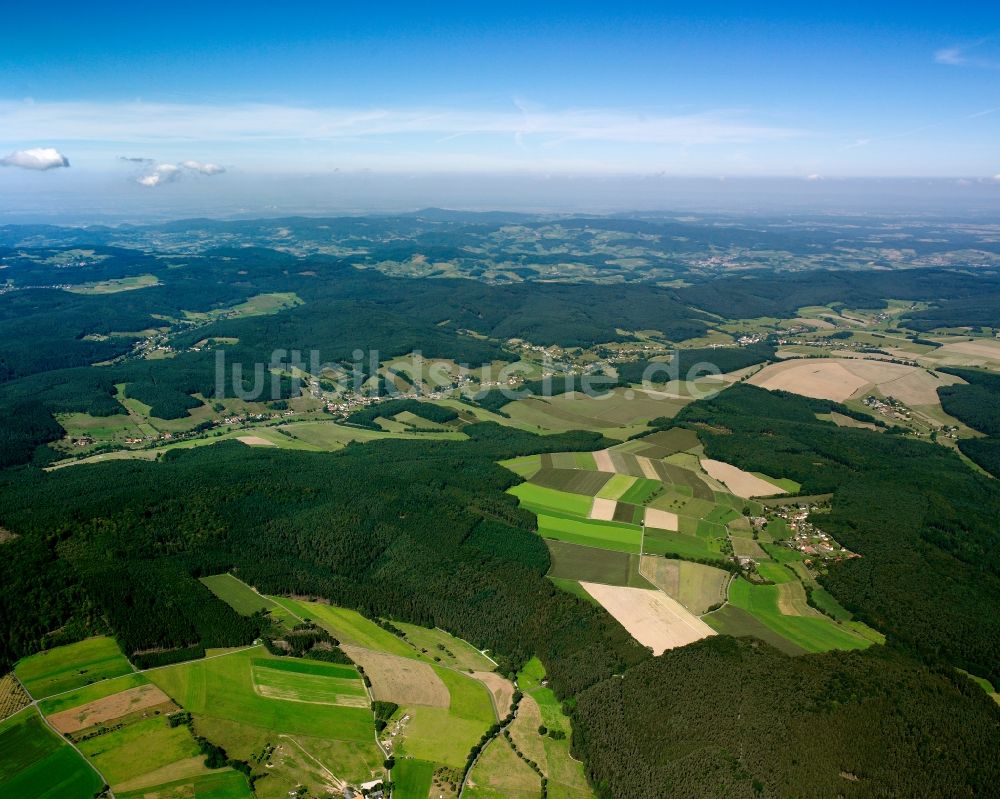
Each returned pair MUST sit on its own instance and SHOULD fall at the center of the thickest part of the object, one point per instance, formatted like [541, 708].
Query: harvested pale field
[651, 617]
[742, 484]
[603, 460]
[111, 707]
[255, 441]
[501, 690]
[840, 379]
[603, 509]
[401, 680]
[918, 388]
[648, 470]
[987, 349]
[816, 378]
[661, 519]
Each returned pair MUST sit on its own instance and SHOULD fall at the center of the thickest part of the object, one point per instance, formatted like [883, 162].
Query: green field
[774, 572]
[826, 602]
[605, 535]
[311, 682]
[500, 774]
[36, 764]
[526, 466]
[616, 486]
[780, 553]
[667, 542]
[330, 436]
[243, 599]
[72, 666]
[445, 735]
[452, 651]
[412, 778]
[226, 784]
[734, 621]
[811, 633]
[139, 748]
[641, 491]
[90, 693]
[540, 499]
[223, 687]
[565, 774]
[616, 415]
[349, 626]
[575, 562]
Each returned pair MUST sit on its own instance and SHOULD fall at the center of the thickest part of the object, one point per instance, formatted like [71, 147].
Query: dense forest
[430, 539]
[422, 532]
[923, 522]
[736, 718]
[978, 405]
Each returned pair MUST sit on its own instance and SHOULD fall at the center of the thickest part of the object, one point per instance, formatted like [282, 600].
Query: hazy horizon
[145, 113]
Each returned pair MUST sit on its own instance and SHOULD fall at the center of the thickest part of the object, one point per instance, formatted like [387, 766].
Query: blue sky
[740, 90]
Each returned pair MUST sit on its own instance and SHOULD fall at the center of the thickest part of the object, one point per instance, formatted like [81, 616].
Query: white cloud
[962, 56]
[168, 173]
[996, 178]
[204, 169]
[38, 158]
[814, 177]
[159, 174]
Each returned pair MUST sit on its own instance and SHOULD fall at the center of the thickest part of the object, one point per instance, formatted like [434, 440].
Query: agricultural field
[310, 720]
[651, 617]
[230, 687]
[841, 379]
[540, 707]
[67, 667]
[742, 484]
[813, 633]
[658, 503]
[120, 724]
[575, 562]
[244, 600]
[223, 784]
[412, 778]
[618, 414]
[500, 774]
[445, 704]
[12, 696]
[542, 499]
[696, 586]
[35, 763]
[115, 285]
[329, 436]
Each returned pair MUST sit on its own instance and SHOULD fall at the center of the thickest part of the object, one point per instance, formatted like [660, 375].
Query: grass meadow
[223, 687]
[36, 763]
[72, 666]
[810, 633]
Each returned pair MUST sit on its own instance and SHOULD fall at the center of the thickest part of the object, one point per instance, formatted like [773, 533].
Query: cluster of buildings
[888, 407]
[806, 537]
